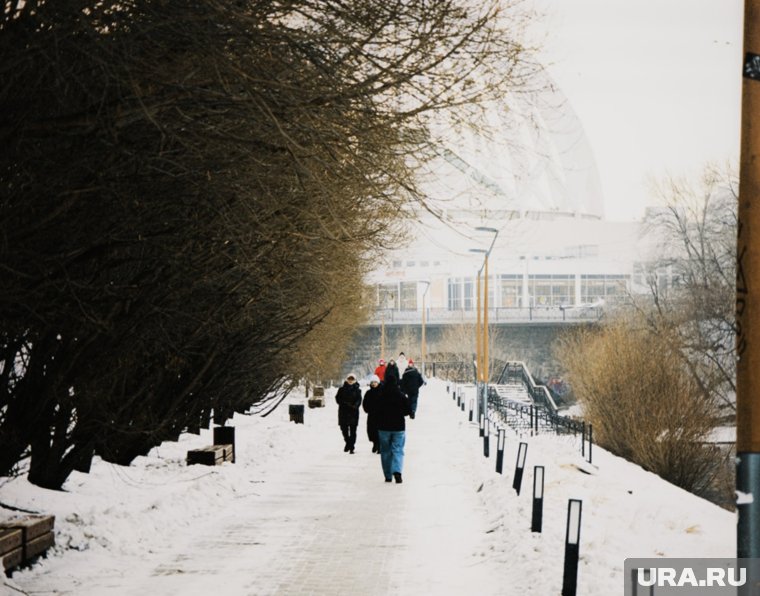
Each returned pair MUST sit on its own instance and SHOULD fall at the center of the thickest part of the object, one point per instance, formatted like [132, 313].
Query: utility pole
[748, 297]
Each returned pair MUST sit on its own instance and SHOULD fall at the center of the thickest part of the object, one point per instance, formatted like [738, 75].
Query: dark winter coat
[369, 404]
[348, 398]
[392, 406]
[391, 370]
[411, 381]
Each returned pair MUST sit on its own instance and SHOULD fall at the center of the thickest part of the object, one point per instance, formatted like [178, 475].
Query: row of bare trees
[189, 194]
[656, 381]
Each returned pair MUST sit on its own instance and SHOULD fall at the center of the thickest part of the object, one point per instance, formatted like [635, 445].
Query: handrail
[499, 314]
[539, 393]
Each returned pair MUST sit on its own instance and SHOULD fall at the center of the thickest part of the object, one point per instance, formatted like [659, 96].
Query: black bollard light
[583, 440]
[487, 438]
[537, 518]
[590, 440]
[572, 547]
[531, 420]
[520, 466]
[462, 406]
[501, 439]
[472, 404]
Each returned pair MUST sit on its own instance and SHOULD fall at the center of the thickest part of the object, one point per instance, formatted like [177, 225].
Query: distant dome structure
[522, 186]
[528, 158]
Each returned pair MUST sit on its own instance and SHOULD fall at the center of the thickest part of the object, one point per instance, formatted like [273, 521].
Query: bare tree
[188, 188]
[692, 280]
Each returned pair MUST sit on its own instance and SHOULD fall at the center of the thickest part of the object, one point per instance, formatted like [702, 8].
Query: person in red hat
[380, 370]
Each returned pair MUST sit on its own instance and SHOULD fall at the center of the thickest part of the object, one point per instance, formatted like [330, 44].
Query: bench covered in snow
[24, 538]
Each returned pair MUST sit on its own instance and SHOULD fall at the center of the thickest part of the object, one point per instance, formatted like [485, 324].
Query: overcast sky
[655, 83]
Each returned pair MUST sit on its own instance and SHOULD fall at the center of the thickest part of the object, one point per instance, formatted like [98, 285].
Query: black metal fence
[539, 416]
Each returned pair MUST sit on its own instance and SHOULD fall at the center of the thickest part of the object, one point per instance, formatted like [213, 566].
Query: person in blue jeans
[389, 407]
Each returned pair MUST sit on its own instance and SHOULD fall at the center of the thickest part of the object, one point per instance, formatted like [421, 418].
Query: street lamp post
[423, 350]
[484, 375]
[479, 335]
[384, 303]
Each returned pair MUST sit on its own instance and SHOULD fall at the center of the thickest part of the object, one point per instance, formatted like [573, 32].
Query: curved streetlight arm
[493, 231]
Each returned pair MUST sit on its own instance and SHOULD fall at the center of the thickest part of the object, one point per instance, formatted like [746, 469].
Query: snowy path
[327, 523]
[333, 526]
[295, 515]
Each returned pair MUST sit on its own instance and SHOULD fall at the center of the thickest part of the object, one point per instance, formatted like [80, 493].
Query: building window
[551, 290]
[454, 301]
[610, 288]
[408, 293]
[468, 288]
[461, 293]
[510, 290]
[387, 294]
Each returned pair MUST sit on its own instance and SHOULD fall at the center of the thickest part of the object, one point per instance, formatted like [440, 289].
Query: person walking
[370, 405]
[392, 369]
[411, 381]
[392, 406]
[401, 362]
[349, 398]
[380, 370]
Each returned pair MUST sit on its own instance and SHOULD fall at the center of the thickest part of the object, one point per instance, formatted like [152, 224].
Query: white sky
[655, 83]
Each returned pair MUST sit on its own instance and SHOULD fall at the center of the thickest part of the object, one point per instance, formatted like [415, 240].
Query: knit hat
[410, 362]
[374, 379]
[381, 362]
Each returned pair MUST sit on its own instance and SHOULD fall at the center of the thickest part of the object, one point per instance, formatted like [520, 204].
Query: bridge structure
[588, 313]
[517, 334]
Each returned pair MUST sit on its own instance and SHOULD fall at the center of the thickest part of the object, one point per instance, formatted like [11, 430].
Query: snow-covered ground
[115, 525]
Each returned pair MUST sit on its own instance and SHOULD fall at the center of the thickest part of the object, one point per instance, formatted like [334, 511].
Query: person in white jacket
[402, 363]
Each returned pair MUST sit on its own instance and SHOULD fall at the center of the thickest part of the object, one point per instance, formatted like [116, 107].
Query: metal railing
[541, 414]
[438, 316]
[517, 371]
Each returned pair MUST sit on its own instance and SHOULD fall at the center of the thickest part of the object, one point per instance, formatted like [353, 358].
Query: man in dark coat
[369, 404]
[411, 381]
[349, 398]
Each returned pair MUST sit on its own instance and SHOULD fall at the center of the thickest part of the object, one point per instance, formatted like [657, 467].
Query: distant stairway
[523, 405]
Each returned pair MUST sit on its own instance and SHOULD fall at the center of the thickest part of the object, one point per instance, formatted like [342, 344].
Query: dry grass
[643, 405]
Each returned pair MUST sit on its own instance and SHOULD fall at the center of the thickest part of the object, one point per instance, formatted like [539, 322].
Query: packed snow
[145, 528]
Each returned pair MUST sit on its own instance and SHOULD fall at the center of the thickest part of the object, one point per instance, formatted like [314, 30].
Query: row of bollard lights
[574, 506]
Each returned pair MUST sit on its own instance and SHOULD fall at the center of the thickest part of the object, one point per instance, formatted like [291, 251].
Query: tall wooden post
[748, 297]
[478, 356]
[486, 372]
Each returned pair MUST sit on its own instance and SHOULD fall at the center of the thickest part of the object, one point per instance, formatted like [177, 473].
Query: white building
[531, 175]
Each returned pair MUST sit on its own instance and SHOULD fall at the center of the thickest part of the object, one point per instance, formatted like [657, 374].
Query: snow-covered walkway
[333, 526]
[296, 515]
